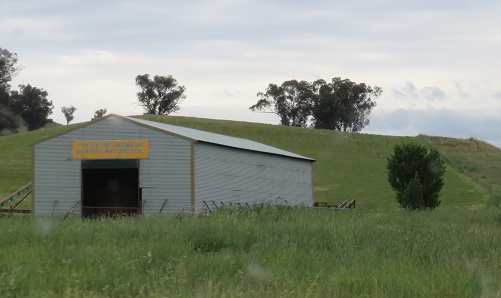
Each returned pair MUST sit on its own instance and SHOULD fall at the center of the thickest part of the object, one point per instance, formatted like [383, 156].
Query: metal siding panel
[56, 180]
[166, 174]
[232, 175]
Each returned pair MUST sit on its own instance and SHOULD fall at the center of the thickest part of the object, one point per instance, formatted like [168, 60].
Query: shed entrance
[110, 187]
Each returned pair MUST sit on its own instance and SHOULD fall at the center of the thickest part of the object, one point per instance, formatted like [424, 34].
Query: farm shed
[127, 165]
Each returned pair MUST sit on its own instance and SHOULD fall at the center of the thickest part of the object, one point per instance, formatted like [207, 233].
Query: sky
[437, 61]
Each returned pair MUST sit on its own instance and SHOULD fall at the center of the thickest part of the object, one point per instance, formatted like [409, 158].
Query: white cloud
[439, 122]
[433, 93]
[408, 91]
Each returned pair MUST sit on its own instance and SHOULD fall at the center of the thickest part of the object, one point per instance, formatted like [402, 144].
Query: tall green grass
[265, 253]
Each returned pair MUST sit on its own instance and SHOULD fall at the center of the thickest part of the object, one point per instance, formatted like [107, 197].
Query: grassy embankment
[354, 165]
[476, 159]
[348, 165]
[375, 250]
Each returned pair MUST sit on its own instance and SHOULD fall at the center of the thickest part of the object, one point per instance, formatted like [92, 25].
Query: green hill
[348, 165]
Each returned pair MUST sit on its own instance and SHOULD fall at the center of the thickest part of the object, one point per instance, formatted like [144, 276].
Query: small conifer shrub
[416, 172]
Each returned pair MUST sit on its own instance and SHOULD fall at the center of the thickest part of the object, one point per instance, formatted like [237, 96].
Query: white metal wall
[231, 175]
[165, 175]
[57, 179]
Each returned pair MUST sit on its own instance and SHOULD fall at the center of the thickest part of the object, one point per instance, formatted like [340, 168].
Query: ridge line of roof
[215, 138]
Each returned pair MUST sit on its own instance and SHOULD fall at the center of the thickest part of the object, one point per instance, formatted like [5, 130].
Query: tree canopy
[7, 120]
[68, 113]
[8, 68]
[160, 95]
[337, 105]
[416, 172]
[99, 114]
[33, 106]
[291, 101]
[343, 105]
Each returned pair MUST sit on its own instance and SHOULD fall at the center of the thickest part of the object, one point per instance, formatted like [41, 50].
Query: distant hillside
[348, 165]
[24, 128]
[476, 159]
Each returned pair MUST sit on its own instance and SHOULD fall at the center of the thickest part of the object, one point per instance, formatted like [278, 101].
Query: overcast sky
[438, 61]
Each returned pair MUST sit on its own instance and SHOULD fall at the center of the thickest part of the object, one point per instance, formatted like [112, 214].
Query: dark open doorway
[110, 187]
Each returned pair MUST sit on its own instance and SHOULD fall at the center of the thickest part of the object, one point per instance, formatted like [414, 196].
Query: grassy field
[260, 253]
[375, 250]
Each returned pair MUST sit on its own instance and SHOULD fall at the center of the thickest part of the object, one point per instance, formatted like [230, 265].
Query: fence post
[208, 208]
[71, 210]
[54, 207]
[163, 205]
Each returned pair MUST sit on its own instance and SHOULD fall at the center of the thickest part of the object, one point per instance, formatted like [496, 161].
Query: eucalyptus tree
[291, 101]
[98, 114]
[337, 105]
[8, 70]
[160, 95]
[32, 105]
[342, 104]
[68, 113]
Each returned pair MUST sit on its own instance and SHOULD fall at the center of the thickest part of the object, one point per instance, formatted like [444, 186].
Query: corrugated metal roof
[218, 139]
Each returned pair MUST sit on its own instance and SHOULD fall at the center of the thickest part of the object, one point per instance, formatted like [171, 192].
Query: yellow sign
[123, 149]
